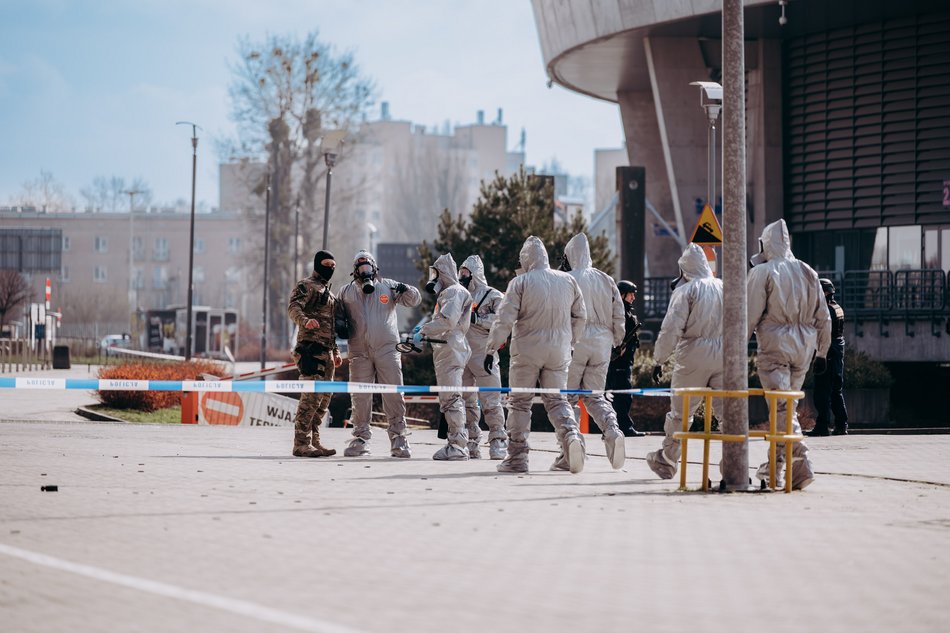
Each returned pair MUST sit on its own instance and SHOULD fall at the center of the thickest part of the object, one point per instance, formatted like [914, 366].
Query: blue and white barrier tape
[281, 386]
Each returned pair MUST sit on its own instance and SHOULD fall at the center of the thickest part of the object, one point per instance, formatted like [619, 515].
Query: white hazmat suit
[450, 322]
[544, 312]
[788, 313]
[692, 334]
[486, 302]
[603, 331]
[373, 356]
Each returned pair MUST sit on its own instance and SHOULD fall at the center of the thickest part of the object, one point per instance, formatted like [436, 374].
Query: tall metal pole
[711, 161]
[132, 298]
[191, 239]
[330, 160]
[266, 259]
[735, 336]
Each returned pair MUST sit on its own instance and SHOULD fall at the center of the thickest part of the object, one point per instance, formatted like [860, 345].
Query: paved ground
[172, 528]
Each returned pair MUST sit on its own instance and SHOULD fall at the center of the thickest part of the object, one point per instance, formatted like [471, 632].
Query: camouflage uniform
[312, 299]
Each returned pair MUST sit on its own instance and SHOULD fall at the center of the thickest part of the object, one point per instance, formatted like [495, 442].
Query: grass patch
[170, 415]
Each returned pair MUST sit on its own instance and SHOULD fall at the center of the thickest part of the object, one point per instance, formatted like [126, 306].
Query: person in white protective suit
[544, 312]
[370, 302]
[485, 304]
[691, 333]
[603, 331]
[788, 314]
[450, 323]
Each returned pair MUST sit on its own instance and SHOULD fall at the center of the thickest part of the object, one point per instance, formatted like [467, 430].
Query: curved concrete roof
[596, 47]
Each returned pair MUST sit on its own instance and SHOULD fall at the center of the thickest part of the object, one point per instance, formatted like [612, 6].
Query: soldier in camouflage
[313, 307]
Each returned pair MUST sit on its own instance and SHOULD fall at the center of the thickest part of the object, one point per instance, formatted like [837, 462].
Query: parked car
[115, 340]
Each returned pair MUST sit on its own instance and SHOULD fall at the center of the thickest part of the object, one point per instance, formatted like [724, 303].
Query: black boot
[841, 428]
[818, 431]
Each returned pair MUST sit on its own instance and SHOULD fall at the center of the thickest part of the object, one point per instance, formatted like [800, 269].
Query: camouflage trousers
[313, 406]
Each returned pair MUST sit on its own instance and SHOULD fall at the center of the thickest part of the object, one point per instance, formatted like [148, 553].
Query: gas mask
[465, 280]
[758, 258]
[676, 281]
[433, 281]
[364, 275]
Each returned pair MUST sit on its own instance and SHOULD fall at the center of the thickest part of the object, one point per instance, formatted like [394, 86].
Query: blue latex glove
[417, 336]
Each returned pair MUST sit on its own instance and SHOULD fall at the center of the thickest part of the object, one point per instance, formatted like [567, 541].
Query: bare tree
[285, 93]
[89, 314]
[44, 193]
[14, 291]
[108, 194]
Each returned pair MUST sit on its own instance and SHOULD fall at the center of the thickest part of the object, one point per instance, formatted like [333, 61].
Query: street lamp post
[329, 146]
[133, 300]
[191, 235]
[266, 258]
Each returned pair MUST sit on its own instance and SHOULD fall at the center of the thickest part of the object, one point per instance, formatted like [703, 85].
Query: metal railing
[866, 295]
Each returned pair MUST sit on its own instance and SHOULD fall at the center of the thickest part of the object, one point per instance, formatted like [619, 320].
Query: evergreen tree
[507, 211]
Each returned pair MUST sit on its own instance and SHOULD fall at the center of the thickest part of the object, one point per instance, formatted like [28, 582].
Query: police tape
[285, 386]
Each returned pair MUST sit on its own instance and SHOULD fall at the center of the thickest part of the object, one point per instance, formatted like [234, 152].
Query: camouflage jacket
[312, 299]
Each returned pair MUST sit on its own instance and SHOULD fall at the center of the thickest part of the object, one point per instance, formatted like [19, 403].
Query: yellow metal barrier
[772, 436]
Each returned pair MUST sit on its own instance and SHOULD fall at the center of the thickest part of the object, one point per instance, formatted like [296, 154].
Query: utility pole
[266, 258]
[191, 236]
[735, 335]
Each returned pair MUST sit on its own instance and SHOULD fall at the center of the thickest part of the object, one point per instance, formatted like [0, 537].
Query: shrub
[153, 400]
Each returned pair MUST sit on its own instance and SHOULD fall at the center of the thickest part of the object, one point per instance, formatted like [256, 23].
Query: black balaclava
[325, 272]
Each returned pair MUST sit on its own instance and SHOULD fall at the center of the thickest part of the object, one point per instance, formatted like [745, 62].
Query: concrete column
[735, 456]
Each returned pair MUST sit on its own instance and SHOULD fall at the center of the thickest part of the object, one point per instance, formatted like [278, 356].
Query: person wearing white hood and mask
[788, 314]
[544, 312]
[485, 304]
[691, 334]
[370, 301]
[450, 322]
[603, 331]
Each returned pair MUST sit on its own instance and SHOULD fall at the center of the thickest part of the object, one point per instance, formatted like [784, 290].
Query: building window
[102, 244]
[903, 247]
[100, 274]
[199, 245]
[160, 254]
[159, 278]
[232, 276]
[138, 280]
[234, 245]
[138, 248]
[199, 275]
[64, 274]
[66, 243]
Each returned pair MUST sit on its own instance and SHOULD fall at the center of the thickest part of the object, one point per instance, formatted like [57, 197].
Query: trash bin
[60, 357]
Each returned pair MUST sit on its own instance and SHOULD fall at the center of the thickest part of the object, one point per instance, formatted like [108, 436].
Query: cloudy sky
[94, 87]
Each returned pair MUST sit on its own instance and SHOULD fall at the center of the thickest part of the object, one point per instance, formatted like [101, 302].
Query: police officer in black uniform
[621, 360]
[828, 397]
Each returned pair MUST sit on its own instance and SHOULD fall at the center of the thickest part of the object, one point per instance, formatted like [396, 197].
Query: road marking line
[232, 605]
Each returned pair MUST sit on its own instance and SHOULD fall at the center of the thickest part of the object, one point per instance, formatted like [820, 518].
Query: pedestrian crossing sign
[707, 231]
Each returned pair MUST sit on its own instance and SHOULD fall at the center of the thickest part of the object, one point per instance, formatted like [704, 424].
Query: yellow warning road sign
[707, 231]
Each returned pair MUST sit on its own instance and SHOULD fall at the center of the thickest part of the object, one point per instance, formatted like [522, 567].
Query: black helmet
[826, 286]
[625, 286]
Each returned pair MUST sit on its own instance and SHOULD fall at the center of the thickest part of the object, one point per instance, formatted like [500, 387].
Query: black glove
[820, 365]
[489, 361]
[400, 288]
[657, 370]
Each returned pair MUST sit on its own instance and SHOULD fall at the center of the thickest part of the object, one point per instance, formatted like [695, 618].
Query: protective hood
[533, 255]
[368, 257]
[448, 272]
[693, 263]
[776, 243]
[577, 252]
[474, 264]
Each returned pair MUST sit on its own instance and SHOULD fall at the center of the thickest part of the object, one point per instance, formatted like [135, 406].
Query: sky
[94, 87]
